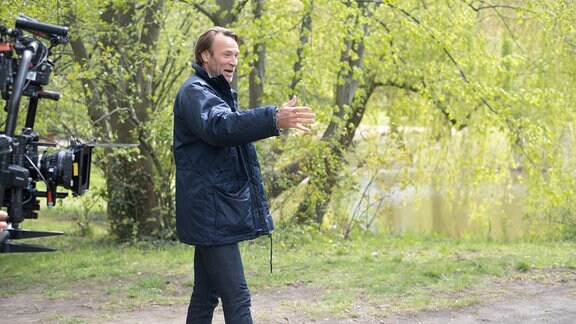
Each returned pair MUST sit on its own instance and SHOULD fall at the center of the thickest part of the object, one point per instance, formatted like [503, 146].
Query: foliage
[457, 114]
[471, 100]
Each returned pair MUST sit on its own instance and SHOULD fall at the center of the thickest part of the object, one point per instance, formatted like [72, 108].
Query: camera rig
[25, 67]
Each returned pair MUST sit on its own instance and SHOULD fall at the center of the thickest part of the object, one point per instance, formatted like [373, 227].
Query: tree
[124, 106]
[449, 80]
[128, 66]
[120, 107]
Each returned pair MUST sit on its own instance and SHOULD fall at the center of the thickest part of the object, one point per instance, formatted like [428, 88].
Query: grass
[410, 273]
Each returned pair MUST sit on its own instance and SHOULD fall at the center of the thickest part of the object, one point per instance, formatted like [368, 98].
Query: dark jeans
[218, 272]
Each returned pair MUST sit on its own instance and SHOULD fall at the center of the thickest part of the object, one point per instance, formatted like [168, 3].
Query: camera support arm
[14, 175]
[18, 88]
[25, 68]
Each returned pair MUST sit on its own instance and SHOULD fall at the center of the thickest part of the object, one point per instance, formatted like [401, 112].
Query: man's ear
[205, 55]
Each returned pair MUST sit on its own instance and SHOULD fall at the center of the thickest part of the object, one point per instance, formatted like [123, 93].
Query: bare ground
[550, 299]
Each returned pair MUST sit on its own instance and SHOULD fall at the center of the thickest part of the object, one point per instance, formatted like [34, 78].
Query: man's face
[223, 59]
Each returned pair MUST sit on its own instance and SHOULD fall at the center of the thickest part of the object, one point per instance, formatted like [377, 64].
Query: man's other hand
[291, 116]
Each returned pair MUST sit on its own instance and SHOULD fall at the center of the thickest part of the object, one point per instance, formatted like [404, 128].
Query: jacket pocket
[233, 208]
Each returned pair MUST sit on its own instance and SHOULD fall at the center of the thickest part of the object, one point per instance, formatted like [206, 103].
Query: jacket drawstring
[270, 235]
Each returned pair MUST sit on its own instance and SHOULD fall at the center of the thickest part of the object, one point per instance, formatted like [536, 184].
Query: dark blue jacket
[219, 193]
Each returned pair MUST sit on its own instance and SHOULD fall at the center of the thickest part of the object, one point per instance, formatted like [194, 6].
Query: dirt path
[521, 301]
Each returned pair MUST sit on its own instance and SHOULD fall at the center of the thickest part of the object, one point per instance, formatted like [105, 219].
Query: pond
[432, 212]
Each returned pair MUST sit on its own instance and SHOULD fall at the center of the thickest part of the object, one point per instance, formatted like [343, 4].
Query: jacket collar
[218, 82]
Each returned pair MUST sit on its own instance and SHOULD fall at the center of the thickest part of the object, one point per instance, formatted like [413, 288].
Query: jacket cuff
[275, 116]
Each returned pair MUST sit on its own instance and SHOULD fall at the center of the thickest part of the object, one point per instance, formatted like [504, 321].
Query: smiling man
[222, 58]
[220, 198]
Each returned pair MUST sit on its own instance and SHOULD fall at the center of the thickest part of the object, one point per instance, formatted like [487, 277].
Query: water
[482, 211]
[431, 212]
[462, 209]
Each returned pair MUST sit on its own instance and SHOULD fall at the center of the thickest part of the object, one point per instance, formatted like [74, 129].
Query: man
[220, 198]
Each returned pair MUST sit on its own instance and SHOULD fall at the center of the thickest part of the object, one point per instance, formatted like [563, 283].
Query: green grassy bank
[410, 273]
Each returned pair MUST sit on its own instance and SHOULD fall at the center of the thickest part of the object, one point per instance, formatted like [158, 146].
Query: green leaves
[464, 92]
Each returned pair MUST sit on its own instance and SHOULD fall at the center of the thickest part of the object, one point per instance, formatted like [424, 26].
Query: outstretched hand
[291, 116]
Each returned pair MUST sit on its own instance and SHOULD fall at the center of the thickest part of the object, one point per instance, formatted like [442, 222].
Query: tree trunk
[290, 175]
[258, 72]
[119, 106]
[338, 136]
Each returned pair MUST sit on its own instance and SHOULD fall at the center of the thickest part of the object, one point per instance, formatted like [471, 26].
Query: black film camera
[25, 67]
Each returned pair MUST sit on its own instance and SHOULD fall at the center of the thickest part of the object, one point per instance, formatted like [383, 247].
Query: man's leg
[204, 296]
[225, 268]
